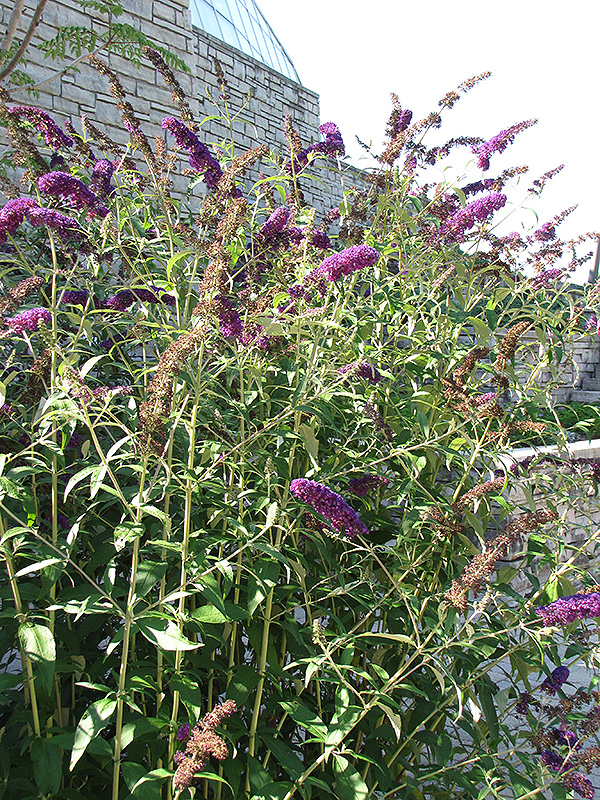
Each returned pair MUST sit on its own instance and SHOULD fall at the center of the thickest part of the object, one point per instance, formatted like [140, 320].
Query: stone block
[164, 11]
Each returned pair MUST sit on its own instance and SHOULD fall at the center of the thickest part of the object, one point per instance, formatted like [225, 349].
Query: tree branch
[13, 24]
[25, 43]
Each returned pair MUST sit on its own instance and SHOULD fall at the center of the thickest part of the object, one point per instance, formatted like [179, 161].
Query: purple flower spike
[44, 125]
[274, 226]
[201, 158]
[68, 187]
[332, 506]
[333, 144]
[479, 210]
[362, 370]
[361, 487]
[546, 233]
[552, 760]
[29, 320]
[101, 176]
[546, 278]
[568, 609]
[591, 325]
[12, 215]
[499, 143]
[555, 680]
[229, 320]
[121, 300]
[183, 734]
[66, 227]
[74, 297]
[353, 259]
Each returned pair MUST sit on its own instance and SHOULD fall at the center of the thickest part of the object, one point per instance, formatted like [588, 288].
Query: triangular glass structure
[241, 24]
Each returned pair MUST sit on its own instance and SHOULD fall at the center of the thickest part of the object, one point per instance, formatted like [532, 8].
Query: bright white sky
[544, 59]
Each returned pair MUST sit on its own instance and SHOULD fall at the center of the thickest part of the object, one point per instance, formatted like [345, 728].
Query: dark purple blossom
[353, 259]
[333, 144]
[595, 470]
[29, 320]
[330, 505]
[479, 210]
[7, 410]
[229, 319]
[74, 442]
[566, 737]
[12, 215]
[274, 226]
[592, 324]
[525, 700]
[361, 369]
[546, 233]
[483, 399]
[183, 734]
[478, 186]
[66, 227]
[568, 609]
[116, 338]
[121, 300]
[499, 143]
[362, 486]
[44, 124]
[74, 297]
[101, 177]
[555, 680]
[201, 158]
[552, 760]
[57, 161]
[68, 187]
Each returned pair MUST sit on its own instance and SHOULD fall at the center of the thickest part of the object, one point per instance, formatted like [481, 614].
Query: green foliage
[158, 559]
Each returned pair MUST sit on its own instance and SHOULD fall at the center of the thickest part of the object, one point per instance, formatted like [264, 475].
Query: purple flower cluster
[74, 297]
[499, 143]
[353, 259]
[122, 300]
[478, 186]
[525, 700]
[362, 486]
[12, 215]
[333, 144]
[66, 227]
[68, 187]
[546, 278]
[183, 734]
[555, 680]
[568, 609]
[546, 233]
[44, 124]
[479, 210]
[330, 505]
[29, 320]
[229, 319]
[552, 760]
[101, 177]
[6, 410]
[201, 158]
[362, 370]
[275, 225]
[483, 399]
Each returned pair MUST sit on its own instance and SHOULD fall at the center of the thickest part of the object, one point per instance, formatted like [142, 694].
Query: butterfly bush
[238, 556]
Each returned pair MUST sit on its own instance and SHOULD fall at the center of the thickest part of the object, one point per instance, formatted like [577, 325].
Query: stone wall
[259, 97]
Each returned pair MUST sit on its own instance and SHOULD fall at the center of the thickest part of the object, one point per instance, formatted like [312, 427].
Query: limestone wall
[259, 97]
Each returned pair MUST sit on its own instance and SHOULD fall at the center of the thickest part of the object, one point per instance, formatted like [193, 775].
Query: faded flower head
[362, 486]
[361, 369]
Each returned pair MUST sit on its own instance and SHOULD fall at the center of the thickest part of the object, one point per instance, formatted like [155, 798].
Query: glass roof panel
[241, 24]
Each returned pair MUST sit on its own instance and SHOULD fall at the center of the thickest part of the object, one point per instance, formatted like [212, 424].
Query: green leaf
[38, 644]
[285, 756]
[77, 478]
[209, 614]
[94, 720]
[164, 633]
[348, 782]
[306, 718]
[243, 681]
[46, 758]
[275, 790]
[261, 581]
